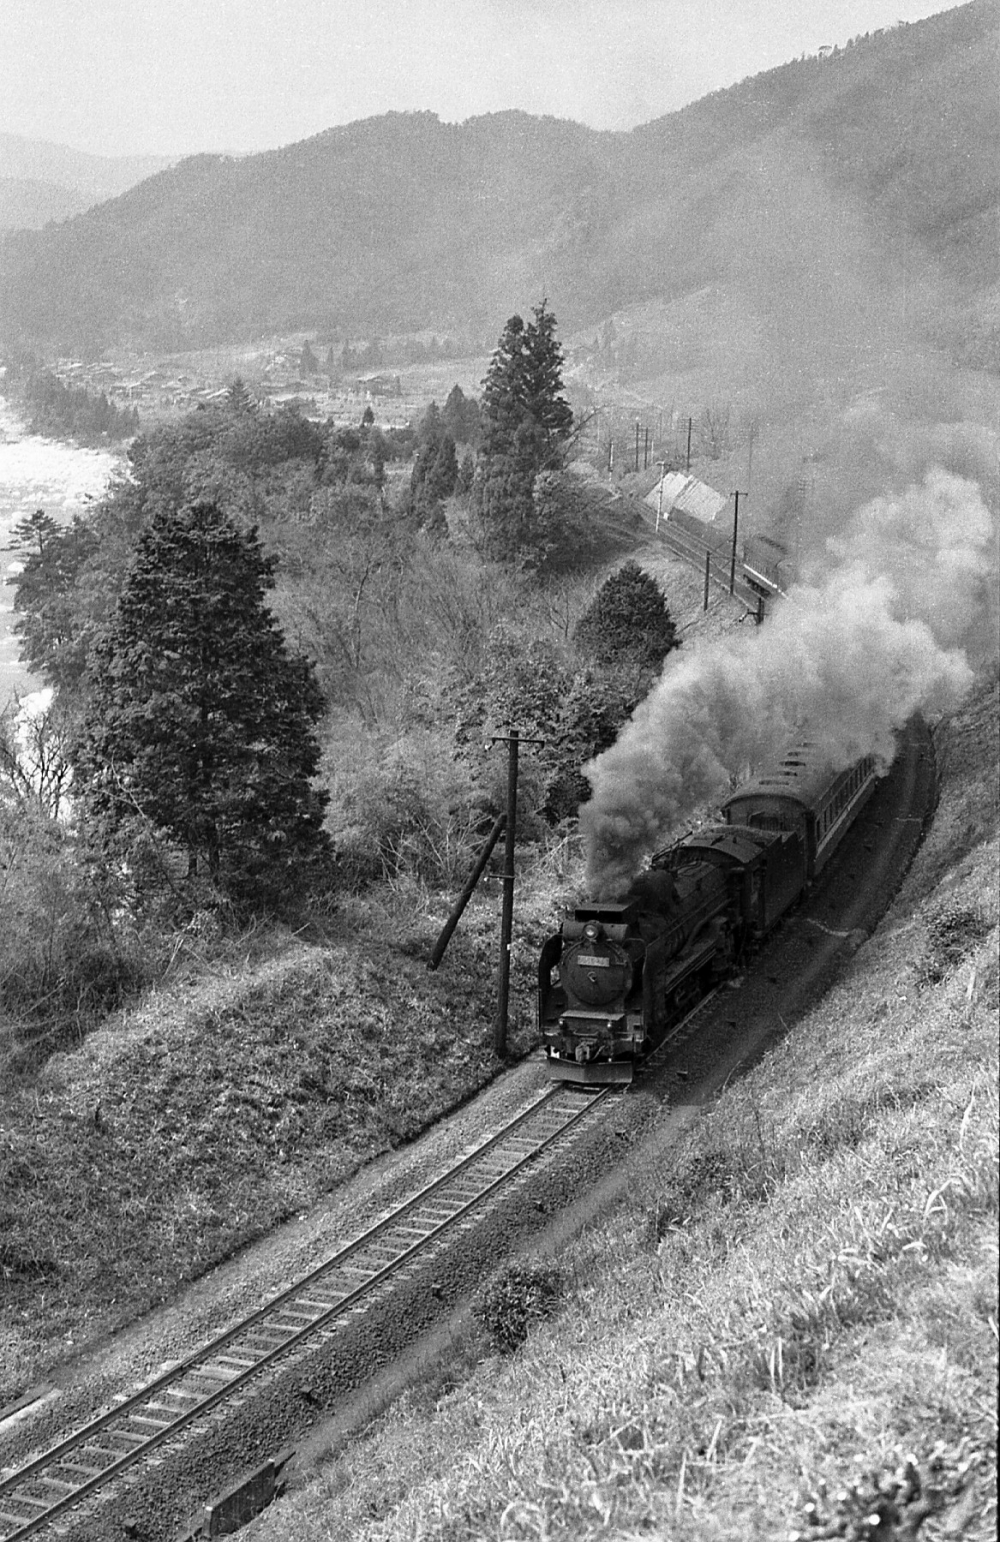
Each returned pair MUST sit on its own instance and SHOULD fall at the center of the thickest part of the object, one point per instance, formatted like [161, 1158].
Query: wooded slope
[401, 222]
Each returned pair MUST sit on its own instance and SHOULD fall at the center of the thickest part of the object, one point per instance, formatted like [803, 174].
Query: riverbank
[38, 473]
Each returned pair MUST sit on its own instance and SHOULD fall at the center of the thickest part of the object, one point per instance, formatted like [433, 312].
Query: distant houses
[376, 385]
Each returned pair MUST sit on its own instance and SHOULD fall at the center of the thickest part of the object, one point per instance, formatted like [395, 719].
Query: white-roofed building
[685, 495]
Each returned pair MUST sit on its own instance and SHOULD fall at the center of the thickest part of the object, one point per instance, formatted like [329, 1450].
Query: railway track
[681, 1032]
[693, 551]
[45, 1490]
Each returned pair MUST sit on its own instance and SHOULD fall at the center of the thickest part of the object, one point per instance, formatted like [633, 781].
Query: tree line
[210, 628]
[68, 412]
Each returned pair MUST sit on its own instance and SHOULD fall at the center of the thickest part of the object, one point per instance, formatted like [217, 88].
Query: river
[37, 473]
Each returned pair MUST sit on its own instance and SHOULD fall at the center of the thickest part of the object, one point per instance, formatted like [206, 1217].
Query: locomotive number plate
[591, 961]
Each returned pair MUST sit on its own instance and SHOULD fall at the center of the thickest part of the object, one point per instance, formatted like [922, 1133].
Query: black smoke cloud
[893, 612]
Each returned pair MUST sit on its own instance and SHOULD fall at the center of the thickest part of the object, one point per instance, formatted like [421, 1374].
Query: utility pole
[466, 894]
[708, 574]
[513, 741]
[659, 501]
[637, 444]
[687, 462]
[736, 520]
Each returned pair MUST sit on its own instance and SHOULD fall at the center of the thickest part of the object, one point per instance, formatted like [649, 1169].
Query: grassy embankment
[804, 1292]
[197, 1121]
[258, 1074]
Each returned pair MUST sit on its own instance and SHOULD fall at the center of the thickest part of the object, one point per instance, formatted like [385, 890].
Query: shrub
[412, 811]
[68, 955]
[592, 711]
[628, 619]
[953, 930]
[514, 1298]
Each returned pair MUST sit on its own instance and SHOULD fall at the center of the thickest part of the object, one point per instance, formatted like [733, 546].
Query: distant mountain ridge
[26, 204]
[40, 181]
[402, 222]
[103, 176]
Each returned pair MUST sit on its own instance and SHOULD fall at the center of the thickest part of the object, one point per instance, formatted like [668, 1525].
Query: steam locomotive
[617, 977]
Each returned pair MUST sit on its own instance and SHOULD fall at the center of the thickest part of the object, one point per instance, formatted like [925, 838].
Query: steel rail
[579, 1103]
[688, 547]
[681, 1030]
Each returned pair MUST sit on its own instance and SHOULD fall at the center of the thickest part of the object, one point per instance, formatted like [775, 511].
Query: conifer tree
[628, 621]
[200, 721]
[51, 623]
[238, 398]
[526, 421]
[460, 416]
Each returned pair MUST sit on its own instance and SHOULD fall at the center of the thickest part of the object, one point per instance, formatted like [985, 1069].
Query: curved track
[45, 1489]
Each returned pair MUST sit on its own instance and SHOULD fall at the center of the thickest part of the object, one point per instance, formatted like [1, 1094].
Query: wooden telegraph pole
[466, 894]
[513, 741]
[732, 565]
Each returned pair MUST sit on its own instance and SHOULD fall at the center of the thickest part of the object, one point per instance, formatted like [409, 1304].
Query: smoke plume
[881, 626]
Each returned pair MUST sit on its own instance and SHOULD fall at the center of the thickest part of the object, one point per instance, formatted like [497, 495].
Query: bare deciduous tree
[713, 430]
[34, 757]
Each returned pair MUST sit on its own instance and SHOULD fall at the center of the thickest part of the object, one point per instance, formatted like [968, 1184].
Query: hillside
[402, 222]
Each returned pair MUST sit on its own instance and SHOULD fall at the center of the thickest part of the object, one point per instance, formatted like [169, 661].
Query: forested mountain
[40, 181]
[401, 221]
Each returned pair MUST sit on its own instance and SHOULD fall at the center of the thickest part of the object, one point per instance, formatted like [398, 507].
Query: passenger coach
[798, 794]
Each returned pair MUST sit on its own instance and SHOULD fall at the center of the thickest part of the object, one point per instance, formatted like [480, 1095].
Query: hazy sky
[176, 76]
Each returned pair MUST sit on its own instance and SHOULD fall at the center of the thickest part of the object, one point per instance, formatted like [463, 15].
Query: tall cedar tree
[200, 720]
[525, 423]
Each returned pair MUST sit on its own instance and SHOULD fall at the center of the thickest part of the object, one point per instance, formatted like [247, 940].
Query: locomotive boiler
[616, 977]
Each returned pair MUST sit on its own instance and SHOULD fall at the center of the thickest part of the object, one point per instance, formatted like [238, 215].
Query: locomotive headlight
[592, 931]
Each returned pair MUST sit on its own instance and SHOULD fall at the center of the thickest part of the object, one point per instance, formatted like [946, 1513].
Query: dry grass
[195, 1123]
[798, 1304]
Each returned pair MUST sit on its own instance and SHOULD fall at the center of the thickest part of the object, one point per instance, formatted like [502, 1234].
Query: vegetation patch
[515, 1298]
[954, 928]
[183, 1131]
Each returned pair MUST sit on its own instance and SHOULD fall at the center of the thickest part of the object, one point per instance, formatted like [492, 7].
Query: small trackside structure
[237, 1505]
